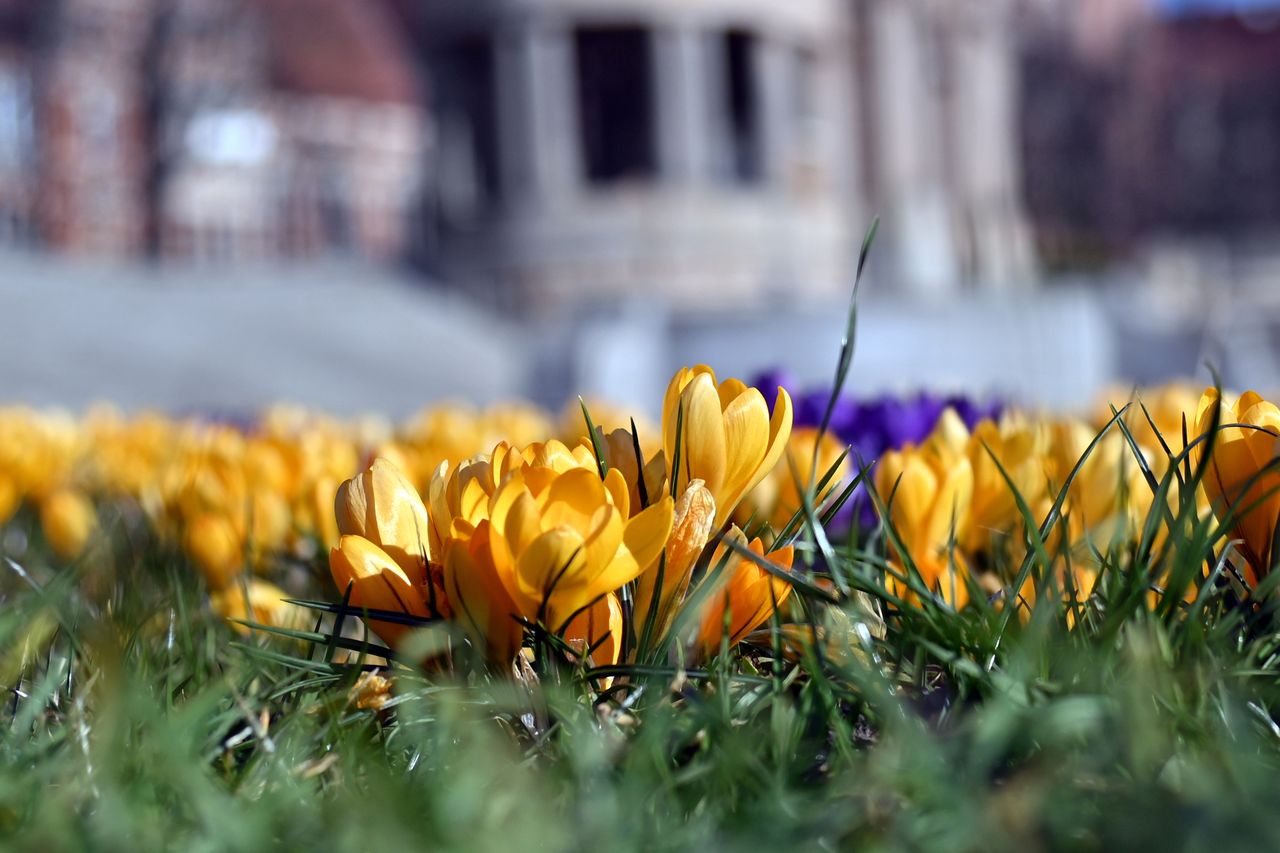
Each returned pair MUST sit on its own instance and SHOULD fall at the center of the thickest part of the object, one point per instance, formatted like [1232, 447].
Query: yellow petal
[671, 400]
[779, 435]
[550, 566]
[950, 436]
[646, 534]
[622, 569]
[382, 506]
[731, 389]
[912, 498]
[598, 629]
[512, 490]
[950, 509]
[602, 541]
[746, 430]
[702, 439]
[523, 523]
[619, 491]
[480, 601]
[377, 583]
[573, 498]
[694, 515]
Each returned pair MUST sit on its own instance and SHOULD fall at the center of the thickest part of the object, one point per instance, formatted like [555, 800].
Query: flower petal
[702, 441]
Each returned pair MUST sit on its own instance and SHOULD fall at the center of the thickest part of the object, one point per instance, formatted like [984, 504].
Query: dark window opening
[742, 103]
[616, 103]
[469, 113]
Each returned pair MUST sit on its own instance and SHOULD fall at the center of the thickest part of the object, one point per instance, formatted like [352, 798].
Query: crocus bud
[382, 506]
[377, 582]
[1238, 489]
[690, 531]
[750, 595]
[727, 437]
[68, 520]
[929, 490]
[257, 601]
[214, 546]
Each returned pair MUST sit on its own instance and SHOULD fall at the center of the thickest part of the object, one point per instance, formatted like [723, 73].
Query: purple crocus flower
[872, 426]
[770, 380]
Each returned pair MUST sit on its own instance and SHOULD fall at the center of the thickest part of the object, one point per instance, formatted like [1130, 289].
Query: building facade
[1171, 112]
[537, 153]
[17, 126]
[938, 84]
[209, 130]
[696, 151]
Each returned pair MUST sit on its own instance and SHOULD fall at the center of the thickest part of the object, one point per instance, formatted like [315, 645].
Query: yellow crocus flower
[750, 595]
[929, 490]
[68, 520]
[212, 543]
[382, 506]
[377, 582]
[1234, 480]
[534, 533]
[1021, 446]
[728, 439]
[1108, 498]
[258, 601]
[560, 542]
[692, 528]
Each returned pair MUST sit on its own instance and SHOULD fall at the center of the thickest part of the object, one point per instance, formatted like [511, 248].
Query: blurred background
[373, 204]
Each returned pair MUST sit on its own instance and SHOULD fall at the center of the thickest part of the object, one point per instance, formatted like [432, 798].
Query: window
[616, 103]
[745, 159]
[15, 122]
[469, 130]
[230, 137]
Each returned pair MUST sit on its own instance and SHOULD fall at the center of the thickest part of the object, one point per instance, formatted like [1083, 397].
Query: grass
[1137, 718]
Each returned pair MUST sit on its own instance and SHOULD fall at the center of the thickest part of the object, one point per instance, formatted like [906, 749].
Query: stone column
[771, 67]
[537, 115]
[683, 103]
[910, 151]
[716, 106]
[557, 149]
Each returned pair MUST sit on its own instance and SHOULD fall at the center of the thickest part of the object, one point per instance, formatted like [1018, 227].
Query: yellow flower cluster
[956, 516]
[36, 455]
[543, 535]
[505, 521]
[236, 499]
[501, 520]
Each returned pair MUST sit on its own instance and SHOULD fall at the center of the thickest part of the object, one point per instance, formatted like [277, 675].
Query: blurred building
[568, 151]
[1164, 122]
[208, 129]
[692, 149]
[938, 131]
[17, 129]
[720, 150]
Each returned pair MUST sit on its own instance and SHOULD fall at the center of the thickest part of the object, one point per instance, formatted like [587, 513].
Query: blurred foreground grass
[136, 719]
